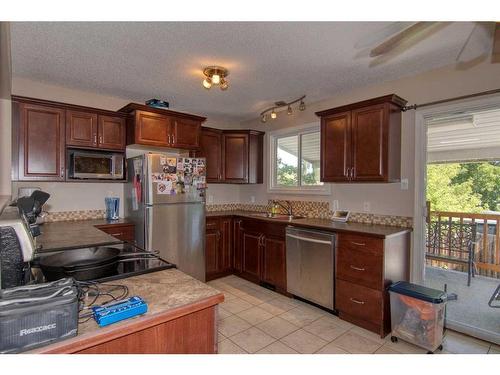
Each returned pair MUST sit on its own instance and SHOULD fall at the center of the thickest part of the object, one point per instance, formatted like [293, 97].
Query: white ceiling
[268, 61]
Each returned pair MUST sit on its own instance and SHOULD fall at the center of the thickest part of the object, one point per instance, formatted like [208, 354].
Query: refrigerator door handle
[148, 232]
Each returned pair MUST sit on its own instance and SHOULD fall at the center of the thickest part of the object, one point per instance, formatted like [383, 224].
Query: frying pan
[86, 264]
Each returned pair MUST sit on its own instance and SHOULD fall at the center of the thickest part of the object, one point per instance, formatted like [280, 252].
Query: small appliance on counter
[36, 315]
[17, 248]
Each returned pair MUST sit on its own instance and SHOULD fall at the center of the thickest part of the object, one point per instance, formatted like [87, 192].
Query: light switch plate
[404, 184]
[252, 199]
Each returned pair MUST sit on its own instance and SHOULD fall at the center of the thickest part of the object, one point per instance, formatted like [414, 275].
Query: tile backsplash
[318, 210]
[75, 215]
[300, 208]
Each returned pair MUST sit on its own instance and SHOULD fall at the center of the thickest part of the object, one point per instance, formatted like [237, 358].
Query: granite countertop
[65, 235]
[4, 200]
[164, 291]
[376, 230]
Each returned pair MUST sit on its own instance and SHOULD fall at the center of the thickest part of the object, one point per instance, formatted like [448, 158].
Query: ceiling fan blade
[378, 36]
[400, 37]
[495, 52]
[477, 44]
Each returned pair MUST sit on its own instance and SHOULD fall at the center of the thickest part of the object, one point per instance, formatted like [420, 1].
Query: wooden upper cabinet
[90, 130]
[336, 147]
[369, 143]
[112, 132]
[162, 127]
[151, 129]
[211, 149]
[41, 150]
[185, 133]
[235, 157]
[243, 155]
[81, 129]
[361, 142]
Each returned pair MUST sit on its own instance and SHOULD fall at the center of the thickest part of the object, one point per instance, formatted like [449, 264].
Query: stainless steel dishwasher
[310, 265]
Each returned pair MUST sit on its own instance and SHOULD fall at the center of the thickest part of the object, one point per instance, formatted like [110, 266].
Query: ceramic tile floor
[253, 319]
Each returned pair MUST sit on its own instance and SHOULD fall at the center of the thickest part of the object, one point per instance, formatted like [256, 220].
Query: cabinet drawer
[212, 224]
[122, 232]
[358, 301]
[358, 242]
[360, 267]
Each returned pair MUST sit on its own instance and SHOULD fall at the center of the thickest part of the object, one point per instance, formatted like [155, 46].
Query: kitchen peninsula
[181, 318]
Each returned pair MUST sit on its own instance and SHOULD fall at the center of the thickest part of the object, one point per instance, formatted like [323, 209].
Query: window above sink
[295, 161]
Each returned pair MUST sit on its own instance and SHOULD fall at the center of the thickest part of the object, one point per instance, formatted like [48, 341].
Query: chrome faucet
[288, 208]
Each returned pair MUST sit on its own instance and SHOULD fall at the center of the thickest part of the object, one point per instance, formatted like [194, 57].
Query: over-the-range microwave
[96, 165]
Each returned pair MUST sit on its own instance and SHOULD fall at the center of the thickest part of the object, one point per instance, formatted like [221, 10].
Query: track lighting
[215, 75]
[280, 104]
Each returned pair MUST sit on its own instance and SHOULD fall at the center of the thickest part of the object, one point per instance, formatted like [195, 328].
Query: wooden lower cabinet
[251, 246]
[218, 245]
[191, 334]
[260, 252]
[274, 262]
[122, 231]
[366, 266]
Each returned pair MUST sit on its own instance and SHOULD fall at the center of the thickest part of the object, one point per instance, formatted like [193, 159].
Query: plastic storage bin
[417, 315]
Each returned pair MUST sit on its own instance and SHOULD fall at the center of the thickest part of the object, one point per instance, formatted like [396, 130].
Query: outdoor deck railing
[486, 243]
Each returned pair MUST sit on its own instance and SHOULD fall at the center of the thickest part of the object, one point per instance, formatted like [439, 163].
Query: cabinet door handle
[117, 234]
[168, 137]
[95, 139]
[62, 172]
[357, 268]
[357, 301]
[173, 138]
[100, 139]
[358, 243]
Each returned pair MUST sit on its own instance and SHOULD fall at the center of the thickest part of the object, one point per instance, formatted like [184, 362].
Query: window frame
[273, 187]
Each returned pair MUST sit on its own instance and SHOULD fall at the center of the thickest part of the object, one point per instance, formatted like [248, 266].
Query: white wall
[5, 109]
[387, 199]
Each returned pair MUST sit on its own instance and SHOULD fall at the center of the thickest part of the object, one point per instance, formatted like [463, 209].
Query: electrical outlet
[404, 184]
[252, 199]
[366, 206]
[210, 199]
[335, 205]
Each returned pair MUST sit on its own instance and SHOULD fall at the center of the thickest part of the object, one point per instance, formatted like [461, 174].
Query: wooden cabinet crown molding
[392, 98]
[67, 106]
[131, 107]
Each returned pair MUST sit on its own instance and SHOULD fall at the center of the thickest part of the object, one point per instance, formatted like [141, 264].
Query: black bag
[37, 315]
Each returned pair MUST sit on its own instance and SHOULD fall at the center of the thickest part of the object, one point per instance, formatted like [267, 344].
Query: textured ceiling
[268, 61]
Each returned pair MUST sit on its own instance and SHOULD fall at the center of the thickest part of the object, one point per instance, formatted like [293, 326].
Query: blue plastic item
[106, 315]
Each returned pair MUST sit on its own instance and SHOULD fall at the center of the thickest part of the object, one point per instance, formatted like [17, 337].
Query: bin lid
[418, 291]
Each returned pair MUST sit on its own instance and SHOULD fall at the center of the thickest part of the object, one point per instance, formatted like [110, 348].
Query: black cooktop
[135, 266]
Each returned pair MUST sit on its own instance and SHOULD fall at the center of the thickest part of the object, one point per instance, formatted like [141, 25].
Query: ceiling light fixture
[215, 75]
[280, 104]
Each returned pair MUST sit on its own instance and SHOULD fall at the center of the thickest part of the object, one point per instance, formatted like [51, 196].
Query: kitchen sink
[277, 216]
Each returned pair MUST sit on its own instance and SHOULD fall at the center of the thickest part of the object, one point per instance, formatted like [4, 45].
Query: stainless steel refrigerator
[165, 198]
